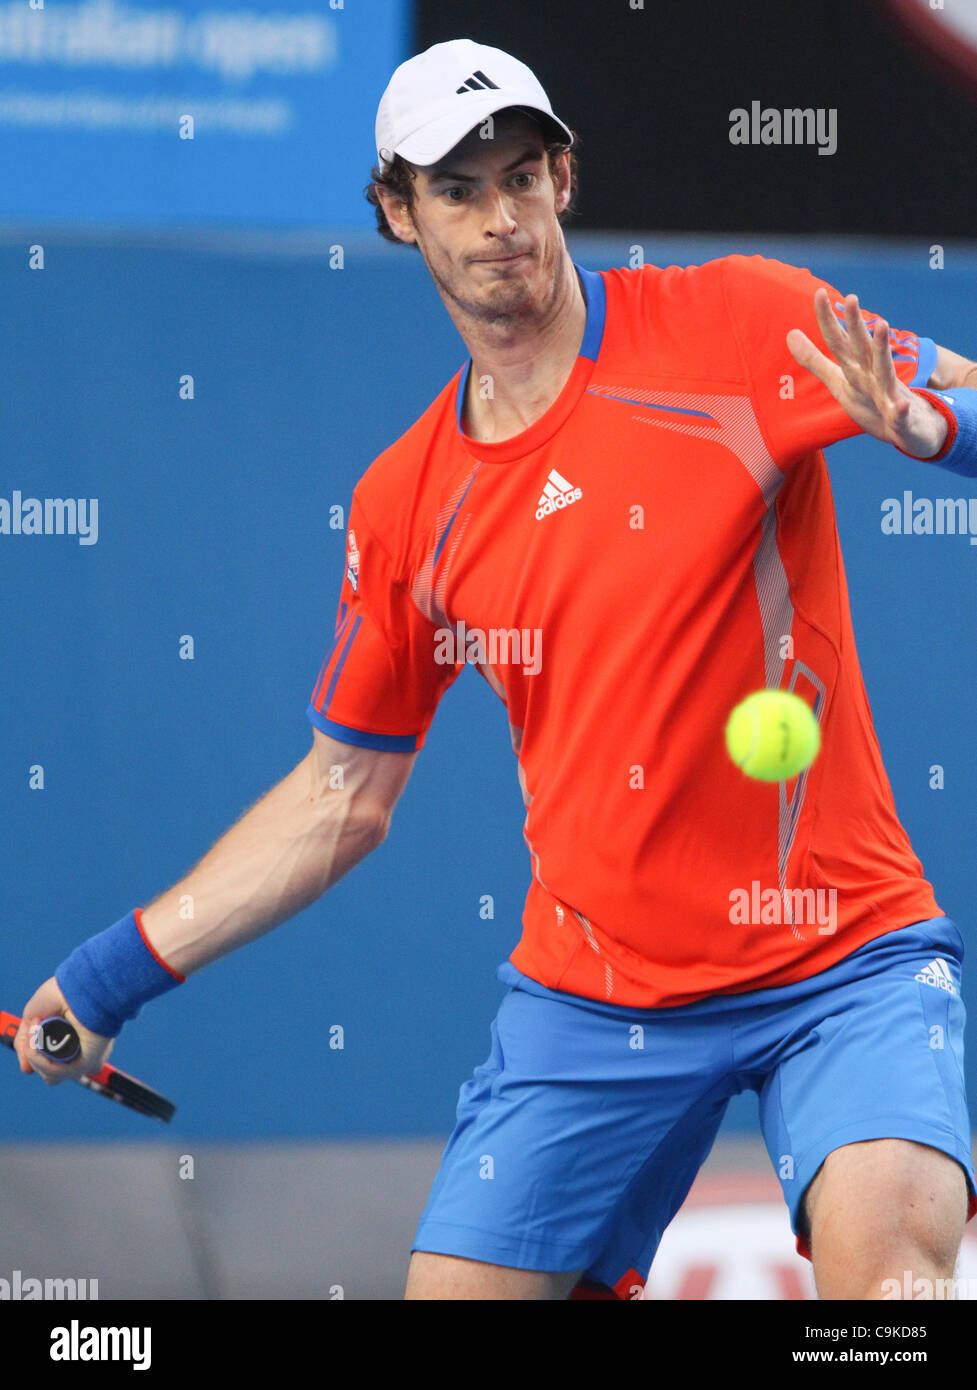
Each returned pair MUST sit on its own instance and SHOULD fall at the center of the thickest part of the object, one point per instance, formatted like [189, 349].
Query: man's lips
[501, 260]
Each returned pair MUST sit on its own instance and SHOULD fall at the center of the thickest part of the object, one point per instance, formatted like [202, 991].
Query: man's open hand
[863, 380]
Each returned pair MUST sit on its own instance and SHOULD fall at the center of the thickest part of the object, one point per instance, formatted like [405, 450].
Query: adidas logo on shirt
[556, 495]
[937, 973]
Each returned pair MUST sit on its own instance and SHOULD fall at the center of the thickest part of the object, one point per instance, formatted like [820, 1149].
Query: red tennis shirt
[660, 543]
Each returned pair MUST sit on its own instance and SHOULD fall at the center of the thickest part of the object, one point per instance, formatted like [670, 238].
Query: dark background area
[650, 91]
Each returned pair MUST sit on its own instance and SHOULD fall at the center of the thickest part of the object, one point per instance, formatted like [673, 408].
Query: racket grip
[57, 1039]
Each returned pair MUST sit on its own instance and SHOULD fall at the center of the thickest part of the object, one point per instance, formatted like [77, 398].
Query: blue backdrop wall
[213, 521]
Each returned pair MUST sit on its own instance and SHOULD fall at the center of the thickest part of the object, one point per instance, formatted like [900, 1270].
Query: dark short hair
[398, 178]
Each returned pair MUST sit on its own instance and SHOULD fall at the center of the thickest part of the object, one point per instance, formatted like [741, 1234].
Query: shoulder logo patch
[352, 560]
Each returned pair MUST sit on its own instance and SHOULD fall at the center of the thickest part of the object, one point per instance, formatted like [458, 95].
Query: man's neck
[515, 378]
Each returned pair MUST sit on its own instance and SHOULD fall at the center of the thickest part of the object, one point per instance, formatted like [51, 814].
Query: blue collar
[595, 296]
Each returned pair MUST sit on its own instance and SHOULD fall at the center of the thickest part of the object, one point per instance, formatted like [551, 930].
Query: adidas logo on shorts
[937, 973]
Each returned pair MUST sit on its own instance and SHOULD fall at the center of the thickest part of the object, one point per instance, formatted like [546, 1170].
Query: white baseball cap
[434, 99]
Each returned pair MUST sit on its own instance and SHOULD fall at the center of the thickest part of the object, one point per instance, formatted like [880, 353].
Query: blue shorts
[578, 1139]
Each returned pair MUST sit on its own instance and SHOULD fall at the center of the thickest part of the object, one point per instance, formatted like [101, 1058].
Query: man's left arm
[862, 378]
[952, 370]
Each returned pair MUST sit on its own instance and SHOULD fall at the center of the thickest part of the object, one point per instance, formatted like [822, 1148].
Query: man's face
[485, 219]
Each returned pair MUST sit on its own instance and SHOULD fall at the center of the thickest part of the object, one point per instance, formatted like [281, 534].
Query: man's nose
[499, 218]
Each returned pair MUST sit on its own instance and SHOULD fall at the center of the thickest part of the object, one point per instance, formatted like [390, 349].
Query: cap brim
[431, 144]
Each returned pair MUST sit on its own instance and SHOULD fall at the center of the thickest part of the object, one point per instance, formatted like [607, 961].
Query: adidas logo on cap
[937, 974]
[556, 495]
[477, 83]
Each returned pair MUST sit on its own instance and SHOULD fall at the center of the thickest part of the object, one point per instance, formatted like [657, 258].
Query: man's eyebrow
[530, 152]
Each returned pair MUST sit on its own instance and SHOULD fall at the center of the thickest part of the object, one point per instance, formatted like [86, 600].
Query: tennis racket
[57, 1039]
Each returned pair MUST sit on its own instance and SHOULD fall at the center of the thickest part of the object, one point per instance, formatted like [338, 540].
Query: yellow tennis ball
[772, 735]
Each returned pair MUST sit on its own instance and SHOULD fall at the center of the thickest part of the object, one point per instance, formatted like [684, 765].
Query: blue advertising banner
[193, 111]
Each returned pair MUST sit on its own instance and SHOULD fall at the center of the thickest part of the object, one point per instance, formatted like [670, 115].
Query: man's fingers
[831, 330]
[46, 1002]
[882, 363]
[805, 354]
[52, 1073]
[863, 379]
[801, 348]
[32, 1060]
[22, 1040]
[853, 343]
[859, 338]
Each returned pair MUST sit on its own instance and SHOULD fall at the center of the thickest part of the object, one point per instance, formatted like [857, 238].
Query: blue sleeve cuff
[108, 978]
[926, 362]
[359, 738]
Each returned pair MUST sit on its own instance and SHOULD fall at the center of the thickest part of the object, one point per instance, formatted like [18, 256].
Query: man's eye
[527, 176]
[455, 189]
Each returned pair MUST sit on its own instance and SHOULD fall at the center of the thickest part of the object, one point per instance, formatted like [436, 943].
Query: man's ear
[561, 177]
[397, 214]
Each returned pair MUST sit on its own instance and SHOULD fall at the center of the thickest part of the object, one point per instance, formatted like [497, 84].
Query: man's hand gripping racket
[51, 1041]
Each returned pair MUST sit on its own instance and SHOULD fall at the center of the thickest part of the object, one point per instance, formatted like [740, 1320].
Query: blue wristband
[959, 406]
[109, 977]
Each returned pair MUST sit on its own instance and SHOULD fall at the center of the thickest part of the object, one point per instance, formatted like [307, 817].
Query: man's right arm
[315, 825]
[297, 841]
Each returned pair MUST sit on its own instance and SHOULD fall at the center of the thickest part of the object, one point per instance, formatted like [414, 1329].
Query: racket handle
[57, 1039]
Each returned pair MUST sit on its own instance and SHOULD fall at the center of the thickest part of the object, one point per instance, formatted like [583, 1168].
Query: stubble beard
[503, 303]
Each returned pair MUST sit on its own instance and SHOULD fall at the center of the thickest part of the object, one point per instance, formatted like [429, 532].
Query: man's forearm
[281, 856]
[952, 370]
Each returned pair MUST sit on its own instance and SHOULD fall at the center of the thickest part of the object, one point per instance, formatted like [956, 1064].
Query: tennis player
[618, 510]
